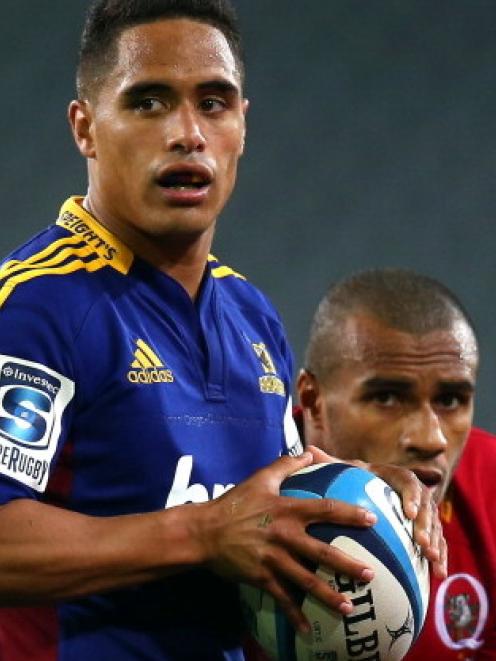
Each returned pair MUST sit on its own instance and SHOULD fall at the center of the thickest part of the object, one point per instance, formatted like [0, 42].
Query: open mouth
[184, 180]
[431, 478]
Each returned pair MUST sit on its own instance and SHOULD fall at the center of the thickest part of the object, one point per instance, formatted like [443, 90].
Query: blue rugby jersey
[120, 395]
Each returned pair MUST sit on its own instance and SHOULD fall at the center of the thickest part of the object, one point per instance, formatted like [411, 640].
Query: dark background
[371, 142]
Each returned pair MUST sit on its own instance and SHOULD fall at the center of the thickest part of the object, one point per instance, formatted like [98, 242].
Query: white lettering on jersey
[183, 492]
[473, 641]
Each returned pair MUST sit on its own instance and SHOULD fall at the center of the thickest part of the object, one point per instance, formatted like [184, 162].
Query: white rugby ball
[389, 611]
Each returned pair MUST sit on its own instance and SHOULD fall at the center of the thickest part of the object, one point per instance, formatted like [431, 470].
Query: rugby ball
[389, 611]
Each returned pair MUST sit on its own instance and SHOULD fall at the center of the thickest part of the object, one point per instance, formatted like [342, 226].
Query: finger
[440, 566]
[320, 510]
[433, 552]
[438, 551]
[310, 583]
[326, 555]
[288, 604]
[410, 489]
[321, 457]
[286, 465]
[422, 526]
[405, 483]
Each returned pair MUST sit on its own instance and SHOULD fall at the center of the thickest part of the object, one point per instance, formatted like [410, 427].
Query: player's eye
[149, 104]
[451, 401]
[385, 398]
[212, 104]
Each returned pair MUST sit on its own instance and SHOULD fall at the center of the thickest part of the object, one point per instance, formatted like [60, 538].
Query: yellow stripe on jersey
[77, 264]
[35, 260]
[75, 219]
[7, 265]
[149, 353]
[225, 271]
[97, 241]
[57, 259]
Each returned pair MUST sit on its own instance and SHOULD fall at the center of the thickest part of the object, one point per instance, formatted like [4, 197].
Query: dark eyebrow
[219, 85]
[404, 386]
[146, 87]
[460, 386]
[378, 383]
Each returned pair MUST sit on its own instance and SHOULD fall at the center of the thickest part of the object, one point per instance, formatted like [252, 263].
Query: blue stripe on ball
[398, 560]
[321, 479]
[297, 493]
[374, 543]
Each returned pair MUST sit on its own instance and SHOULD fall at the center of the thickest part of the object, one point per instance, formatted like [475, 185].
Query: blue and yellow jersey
[119, 395]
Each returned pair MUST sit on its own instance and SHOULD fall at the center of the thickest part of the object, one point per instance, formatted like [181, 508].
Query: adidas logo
[147, 366]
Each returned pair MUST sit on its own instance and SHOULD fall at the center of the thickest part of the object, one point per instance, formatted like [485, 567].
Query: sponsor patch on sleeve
[33, 399]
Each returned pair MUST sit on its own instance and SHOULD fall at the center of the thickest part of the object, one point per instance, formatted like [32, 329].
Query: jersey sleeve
[36, 391]
[293, 442]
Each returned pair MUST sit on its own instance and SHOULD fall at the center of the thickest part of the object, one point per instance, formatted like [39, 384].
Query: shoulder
[48, 286]
[75, 252]
[246, 307]
[482, 438]
[480, 447]
[236, 287]
[47, 265]
[478, 459]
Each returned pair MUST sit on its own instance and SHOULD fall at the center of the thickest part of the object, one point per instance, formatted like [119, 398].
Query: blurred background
[371, 142]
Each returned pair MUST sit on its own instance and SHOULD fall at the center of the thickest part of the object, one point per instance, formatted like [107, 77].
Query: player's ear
[80, 117]
[311, 400]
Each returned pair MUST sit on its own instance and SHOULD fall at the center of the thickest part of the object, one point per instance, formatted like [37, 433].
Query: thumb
[287, 465]
[321, 457]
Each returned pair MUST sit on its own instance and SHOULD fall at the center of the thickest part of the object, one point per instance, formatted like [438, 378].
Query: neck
[181, 256]
[187, 267]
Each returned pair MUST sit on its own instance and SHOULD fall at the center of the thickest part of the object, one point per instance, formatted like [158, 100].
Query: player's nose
[183, 130]
[423, 434]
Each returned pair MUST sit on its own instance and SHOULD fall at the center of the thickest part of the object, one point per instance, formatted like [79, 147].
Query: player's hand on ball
[388, 546]
[421, 508]
[418, 506]
[254, 535]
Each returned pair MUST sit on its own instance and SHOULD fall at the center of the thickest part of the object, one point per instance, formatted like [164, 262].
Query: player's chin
[188, 225]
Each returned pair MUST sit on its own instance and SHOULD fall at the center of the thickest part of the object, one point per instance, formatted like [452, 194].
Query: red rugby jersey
[461, 620]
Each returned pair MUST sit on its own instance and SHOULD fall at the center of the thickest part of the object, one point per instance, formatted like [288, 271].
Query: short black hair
[107, 19]
[400, 298]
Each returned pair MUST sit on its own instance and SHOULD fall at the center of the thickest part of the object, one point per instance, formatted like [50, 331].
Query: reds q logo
[461, 610]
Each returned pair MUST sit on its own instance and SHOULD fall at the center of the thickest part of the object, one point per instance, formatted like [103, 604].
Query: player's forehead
[370, 344]
[174, 49]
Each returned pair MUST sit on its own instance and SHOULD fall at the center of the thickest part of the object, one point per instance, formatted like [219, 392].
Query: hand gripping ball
[388, 612]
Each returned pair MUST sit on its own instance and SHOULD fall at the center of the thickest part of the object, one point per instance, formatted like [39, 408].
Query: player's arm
[250, 534]
[48, 553]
